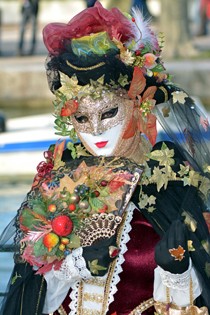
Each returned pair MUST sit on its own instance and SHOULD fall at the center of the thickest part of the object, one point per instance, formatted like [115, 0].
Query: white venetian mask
[100, 123]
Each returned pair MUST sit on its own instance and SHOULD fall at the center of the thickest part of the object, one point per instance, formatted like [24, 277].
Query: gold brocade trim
[95, 281]
[93, 297]
[39, 296]
[112, 267]
[62, 311]
[98, 65]
[163, 89]
[86, 311]
[80, 290]
[82, 311]
[142, 307]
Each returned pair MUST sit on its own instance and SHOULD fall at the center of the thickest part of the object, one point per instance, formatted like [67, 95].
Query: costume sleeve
[178, 199]
[23, 285]
[178, 286]
[60, 281]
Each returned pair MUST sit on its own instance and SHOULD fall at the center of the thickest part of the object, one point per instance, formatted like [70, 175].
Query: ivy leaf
[164, 156]
[81, 151]
[159, 178]
[179, 96]
[184, 170]
[94, 267]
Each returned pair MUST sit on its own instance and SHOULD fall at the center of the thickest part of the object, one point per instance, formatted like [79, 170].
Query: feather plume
[143, 35]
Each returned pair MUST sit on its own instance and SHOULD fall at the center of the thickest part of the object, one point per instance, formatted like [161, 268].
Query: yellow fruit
[64, 240]
[62, 247]
[50, 240]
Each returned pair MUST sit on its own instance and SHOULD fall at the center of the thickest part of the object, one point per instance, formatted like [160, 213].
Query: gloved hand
[99, 255]
[169, 252]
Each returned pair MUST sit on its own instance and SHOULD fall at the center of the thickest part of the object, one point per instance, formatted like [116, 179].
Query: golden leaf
[207, 269]
[179, 96]
[189, 221]
[190, 246]
[163, 156]
[206, 245]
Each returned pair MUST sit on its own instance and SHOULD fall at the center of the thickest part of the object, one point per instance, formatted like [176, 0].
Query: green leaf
[27, 218]
[96, 203]
[94, 267]
[39, 248]
[39, 207]
[104, 192]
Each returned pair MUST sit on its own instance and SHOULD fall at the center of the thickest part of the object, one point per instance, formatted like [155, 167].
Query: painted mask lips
[101, 144]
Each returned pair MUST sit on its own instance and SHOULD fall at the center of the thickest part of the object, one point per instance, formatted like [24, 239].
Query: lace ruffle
[73, 267]
[176, 281]
[80, 264]
[123, 248]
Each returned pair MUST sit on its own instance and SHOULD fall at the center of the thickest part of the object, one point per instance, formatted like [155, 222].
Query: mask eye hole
[81, 119]
[110, 113]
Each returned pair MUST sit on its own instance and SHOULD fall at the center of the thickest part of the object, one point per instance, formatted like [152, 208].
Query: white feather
[142, 32]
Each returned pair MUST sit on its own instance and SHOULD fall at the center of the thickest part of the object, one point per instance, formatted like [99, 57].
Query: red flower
[91, 20]
[69, 108]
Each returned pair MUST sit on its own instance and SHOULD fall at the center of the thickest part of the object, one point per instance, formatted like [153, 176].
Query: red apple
[62, 225]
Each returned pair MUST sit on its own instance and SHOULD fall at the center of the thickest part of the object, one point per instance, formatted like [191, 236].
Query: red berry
[103, 209]
[133, 19]
[96, 193]
[72, 207]
[104, 183]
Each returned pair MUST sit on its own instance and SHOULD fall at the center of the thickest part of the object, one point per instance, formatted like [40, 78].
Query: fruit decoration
[57, 207]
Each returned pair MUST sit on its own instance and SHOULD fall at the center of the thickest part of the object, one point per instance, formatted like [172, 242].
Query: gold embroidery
[112, 268]
[86, 311]
[143, 307]
[93, 297]
[95, 281]
[98, 65]
[62, 311]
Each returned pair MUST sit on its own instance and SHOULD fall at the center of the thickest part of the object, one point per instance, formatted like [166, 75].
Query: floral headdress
[104, 49]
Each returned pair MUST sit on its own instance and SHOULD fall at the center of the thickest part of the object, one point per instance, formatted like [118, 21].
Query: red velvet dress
[137, 278]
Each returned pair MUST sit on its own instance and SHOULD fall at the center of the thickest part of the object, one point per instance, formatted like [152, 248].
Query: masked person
[114, 223]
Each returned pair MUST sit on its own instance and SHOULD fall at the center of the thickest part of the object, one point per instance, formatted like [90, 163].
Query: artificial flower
[70, 107]
[150, 60]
